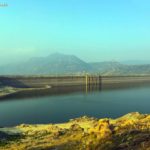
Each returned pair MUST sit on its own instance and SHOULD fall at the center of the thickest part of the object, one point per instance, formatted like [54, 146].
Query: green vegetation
[131, 131]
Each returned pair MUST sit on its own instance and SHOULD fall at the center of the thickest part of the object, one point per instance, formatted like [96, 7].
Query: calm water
[56, 109]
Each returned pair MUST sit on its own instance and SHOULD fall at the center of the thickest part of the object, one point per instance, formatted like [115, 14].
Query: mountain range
[60, 64]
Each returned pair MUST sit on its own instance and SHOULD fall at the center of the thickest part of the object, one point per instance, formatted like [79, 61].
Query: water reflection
[63, 90]
[58, 105]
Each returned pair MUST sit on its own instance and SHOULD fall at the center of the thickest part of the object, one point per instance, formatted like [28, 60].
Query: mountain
[60, 64]
[136, 62]
[52, 64]
[106, 67]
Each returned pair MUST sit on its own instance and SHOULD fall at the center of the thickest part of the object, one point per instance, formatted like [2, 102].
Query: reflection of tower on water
[93, 83]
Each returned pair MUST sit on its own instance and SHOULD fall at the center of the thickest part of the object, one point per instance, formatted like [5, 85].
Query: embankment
[36, 81]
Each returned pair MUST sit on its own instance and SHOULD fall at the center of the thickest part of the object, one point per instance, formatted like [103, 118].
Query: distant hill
[136, 62]
[60, 64]
[52, 64]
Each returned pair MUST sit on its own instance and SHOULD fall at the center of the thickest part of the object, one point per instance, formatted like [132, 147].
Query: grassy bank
[131, 131]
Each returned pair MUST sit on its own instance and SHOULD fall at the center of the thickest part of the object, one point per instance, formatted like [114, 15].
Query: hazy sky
[94, 30]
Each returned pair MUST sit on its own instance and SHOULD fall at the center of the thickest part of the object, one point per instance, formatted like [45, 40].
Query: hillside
[60, 64]
[52, 64]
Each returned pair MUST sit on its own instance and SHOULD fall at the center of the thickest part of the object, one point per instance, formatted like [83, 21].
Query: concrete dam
[66, 81]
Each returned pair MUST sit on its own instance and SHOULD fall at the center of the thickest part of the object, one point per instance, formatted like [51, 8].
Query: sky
[94, 30]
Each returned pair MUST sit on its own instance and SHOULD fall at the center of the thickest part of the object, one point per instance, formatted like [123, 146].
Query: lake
[59, 108]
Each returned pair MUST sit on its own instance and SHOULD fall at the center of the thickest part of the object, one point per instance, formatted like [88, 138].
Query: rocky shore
[131, 131]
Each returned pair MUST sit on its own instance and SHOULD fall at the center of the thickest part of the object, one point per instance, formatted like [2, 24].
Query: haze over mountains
[59, 64]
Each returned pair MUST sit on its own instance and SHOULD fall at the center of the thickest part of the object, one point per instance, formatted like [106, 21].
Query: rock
[131, 131]
[76, 127]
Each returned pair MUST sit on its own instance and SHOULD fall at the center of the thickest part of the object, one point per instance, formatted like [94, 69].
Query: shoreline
[20, 84]
[17, 90]
[130, 131]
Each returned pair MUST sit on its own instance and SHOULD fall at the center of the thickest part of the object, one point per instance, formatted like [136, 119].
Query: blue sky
[94, 30]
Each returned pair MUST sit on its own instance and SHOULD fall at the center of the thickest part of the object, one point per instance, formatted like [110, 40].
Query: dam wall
[51, 81]
[39, 82]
